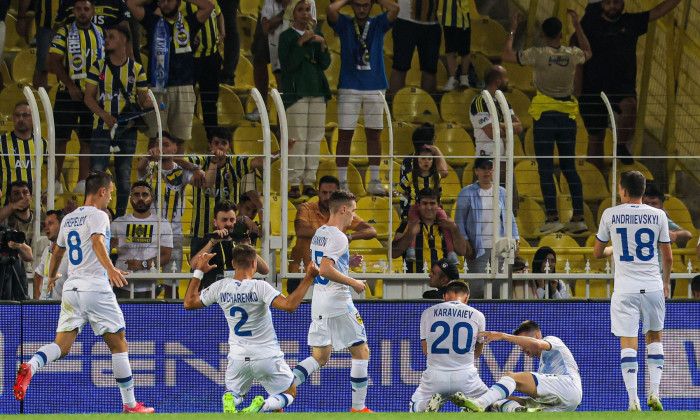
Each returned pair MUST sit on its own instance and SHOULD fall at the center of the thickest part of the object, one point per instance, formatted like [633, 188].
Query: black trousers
[206, 72]
[232, 42]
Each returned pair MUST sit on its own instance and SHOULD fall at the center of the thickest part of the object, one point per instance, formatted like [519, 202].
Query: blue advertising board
[178, 357]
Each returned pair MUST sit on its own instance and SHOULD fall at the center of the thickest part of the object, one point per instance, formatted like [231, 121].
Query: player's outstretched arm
[527, 343]
[192, 300]
[291, 302]
[328, 271]
[116, 276]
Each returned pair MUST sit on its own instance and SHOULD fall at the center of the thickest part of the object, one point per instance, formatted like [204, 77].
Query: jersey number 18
[641, 244]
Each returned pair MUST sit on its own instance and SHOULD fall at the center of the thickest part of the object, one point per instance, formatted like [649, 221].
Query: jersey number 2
[75, 253]
[434, 349]
[241, 323]
[318, 256]
[649, 244]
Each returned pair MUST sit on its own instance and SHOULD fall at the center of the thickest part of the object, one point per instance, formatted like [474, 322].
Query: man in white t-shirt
[87, 293]
[254, 352]
[556, 386]
[335, 323]
[448, 333]
[638, 233]
[52, 226]
[137, 240]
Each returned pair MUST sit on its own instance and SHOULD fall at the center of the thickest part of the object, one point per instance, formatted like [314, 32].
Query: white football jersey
[450, 330]
[85, 272]
[330, 298]
[246, 306]
[558, 360]
[635, 231]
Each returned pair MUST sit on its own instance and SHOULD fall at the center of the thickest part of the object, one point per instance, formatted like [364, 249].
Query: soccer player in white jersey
[638, 233]
[448, 334]
[87, 292]
[556, 386]
[254, 352]
[335, 323]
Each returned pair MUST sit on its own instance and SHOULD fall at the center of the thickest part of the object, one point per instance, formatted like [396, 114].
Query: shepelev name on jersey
[75, 221]
[635, 219]
[453, 312]
[238, 297]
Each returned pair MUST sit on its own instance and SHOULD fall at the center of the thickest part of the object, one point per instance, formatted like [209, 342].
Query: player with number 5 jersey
[254, 352]
[87, 292]
[638, 233]
[448, 333]
[335, 323]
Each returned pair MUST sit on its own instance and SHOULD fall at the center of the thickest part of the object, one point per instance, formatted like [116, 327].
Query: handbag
[132, 113]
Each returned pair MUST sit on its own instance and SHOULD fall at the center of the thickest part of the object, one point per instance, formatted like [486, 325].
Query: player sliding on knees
[87, 294]
[448, 333]
[335, 323]
[556, 386]
[254, 352]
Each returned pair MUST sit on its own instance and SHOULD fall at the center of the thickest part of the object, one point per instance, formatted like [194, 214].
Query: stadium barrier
[179, 357]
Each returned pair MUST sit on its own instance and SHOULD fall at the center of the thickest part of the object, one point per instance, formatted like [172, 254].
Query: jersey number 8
[75, 253]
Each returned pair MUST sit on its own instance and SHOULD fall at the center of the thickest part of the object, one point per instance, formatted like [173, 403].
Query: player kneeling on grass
[254, 352]
[556, 386]
[448, 333]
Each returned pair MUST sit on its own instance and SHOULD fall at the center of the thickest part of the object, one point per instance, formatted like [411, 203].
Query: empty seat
[455, 144]
[488, 37]
[249, 8]
[530, 217]
[276, 219]
[520, 77]
[375, 211]
[597, 265]
[451, 186]
[403, 145]
[566, 248]
[247, 140]
[358, 148]
[481, 63]
[527, 179]
[678, 212]
[246, 30]
[244, 76]
[520, 103]
[333, 72]
[415, 105]
[229, 108]
[455, 106]
[636, 166]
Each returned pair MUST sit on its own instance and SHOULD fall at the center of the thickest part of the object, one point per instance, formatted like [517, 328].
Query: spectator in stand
[613, 39]
[313, 215]
[554, 111]
[456, 26]
[416, 27]
[440, 275]
[304, 56]
[429, 234]
[422, 136]
[207, 61]
[41, 273]
[232, 41]
[544, 262]
[695, 287]
[17, 149]
[247, 212]
[522, 286]
[474, 217]
[272, 20]
[18, 214]
[362, 81]
[44, 16]
[73, 49]
[113, 83]
[171, 35]
[260, 50]
[136, 238]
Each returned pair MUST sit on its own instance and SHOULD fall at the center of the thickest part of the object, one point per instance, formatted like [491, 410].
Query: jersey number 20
[434, 349]
[641, 245]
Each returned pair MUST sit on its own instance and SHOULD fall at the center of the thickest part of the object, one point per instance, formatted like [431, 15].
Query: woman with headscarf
[545, 261]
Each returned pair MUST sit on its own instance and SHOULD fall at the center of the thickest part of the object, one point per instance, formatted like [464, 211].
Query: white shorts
[448, 382]
[100, 309]
[273, 374]
[557, 392]
[627, 308]
[340, 332]
[349, 103]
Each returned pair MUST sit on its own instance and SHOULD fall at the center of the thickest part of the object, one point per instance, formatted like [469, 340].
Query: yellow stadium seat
[595, 188]
[333, 72]
[561, 242]
[527, 179]
[246, 30]
[247, 140]
[244, 76]
[387, 184]
[606, 204]
[636, 166]
[198, 144]
[481, 63]
[321, 6]
[358, 148]
[325, 152]
[229, 108]
[468, 176]
[354, 179]
[6, 78]
[598, 289]
[681, 290]
[451, 186]
[678, 212]
[455, 144]
[413, 76]
[455, 106]
[276, 219]
[144, 60]
[518, 151]
[249, 8]
[403, 145]
[415, 105]
[250, 106]
[332, 39]
[375, 211]
[521, 104]
[488, 37]
[530, 217]
[13, 42]
[566, 211]
[23, 66]
[520, 77]
[9, 96]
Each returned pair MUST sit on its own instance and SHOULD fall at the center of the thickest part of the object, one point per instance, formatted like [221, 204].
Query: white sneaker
[452, 257]
[435, 404]
[253, 116]
[79, 187]
[451, 84]
[634, 406]
[344, 186]
[375, 188]
[654, 402]
[57, 187]
[464, 81]
[550, 227]
[576, 226]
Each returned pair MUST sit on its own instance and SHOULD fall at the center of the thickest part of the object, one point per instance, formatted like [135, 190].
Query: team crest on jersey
[130, 79]
[359, 318]
[140, 234]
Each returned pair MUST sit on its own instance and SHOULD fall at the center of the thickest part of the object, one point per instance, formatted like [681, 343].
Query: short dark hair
[329, 179]
[243, 255]
[492, 74]
[339, 198]
[457, 287]
[634, 182]
[653, 191]
[60, 214]
[21, 103]
[551, 27]
[144, 184]
[122, 30]
[695, 284]
[19, 184]
[97, 180]
[428, 193]
[526, 327]
[176, 140]
[224, 205]
[423, 135]
[220, 132]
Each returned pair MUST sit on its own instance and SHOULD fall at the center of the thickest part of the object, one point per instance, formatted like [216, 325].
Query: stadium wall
[179, 357]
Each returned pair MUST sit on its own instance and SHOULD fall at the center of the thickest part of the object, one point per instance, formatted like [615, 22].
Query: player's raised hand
[203, 263]
[52, 282]
[355, 261]
[311, 270]
[359, 286]
[490, 336]
[116, 277]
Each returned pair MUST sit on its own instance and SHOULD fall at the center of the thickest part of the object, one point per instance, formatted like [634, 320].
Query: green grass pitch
[600, 415]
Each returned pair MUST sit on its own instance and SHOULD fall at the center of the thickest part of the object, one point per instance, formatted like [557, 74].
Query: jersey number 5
[641, 244]
[318, 256]
[434, 349]
[241, 323]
